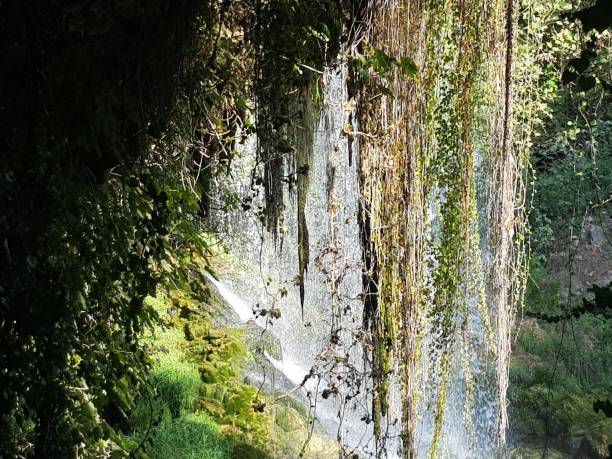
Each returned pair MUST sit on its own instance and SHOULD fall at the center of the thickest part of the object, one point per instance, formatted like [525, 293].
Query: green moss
[199, 402]
[198, 398]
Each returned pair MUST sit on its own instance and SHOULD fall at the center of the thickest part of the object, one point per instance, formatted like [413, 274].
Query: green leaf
[381, 62]
[408, 67]
[384, 90]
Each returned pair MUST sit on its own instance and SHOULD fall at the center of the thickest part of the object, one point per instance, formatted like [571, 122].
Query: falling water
[261, 276]
[469, 425]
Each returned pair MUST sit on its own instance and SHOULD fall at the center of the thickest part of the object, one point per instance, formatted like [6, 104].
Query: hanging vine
[427, 150]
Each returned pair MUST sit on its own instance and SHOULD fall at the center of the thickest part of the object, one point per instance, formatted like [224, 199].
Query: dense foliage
[117, 117]
[562, 356]
[88, 212]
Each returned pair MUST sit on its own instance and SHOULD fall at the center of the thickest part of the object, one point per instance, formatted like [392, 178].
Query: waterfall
[261, 273]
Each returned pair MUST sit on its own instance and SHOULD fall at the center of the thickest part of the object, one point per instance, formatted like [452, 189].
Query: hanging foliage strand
[428, 151]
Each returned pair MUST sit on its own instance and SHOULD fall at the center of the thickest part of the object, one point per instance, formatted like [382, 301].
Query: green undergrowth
[192, 435]
[199, 409]
[198, 406]
[558, 371]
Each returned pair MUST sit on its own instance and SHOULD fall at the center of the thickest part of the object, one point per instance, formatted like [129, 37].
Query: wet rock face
[219, 311]
[260, 340]
[261, 373]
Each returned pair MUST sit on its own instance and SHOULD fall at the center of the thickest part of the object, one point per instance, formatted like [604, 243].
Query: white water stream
[286, 366]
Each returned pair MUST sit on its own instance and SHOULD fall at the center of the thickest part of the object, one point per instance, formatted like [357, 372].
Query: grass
[180, 431]
[190, 436]
[176, 381]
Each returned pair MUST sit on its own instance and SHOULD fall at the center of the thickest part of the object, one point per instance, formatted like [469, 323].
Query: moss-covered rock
[289, 420]
[223, 374]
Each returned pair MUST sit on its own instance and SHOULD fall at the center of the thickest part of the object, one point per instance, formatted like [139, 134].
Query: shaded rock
[592, 263]
[597, 443]
[530, 452]
[595, 236]
[246, 451]
[188, 334]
